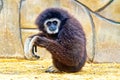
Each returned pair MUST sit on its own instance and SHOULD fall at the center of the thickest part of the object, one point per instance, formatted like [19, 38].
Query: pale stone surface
[107, 48]
[112, 11]
[10, 41]
[94, 4]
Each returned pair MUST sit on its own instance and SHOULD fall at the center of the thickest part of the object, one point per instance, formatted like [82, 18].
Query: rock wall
[10, 38]
[99, 18]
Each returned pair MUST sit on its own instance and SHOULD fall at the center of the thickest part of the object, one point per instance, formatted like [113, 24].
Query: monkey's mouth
[52, 31]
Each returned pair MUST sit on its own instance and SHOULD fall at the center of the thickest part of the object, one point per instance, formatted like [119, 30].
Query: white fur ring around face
[29, 48]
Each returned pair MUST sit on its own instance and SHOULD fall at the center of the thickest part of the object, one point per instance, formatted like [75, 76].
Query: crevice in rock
[97, 14]
[93, 35]
[102, 8]
[20, 5]
[1, 5]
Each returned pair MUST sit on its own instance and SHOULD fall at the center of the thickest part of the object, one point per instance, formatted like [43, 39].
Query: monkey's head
[51, 20]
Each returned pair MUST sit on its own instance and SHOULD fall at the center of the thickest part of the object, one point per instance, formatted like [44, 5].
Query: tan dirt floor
[20, 69]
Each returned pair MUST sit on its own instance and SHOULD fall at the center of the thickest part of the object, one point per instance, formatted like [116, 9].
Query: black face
[52, 25]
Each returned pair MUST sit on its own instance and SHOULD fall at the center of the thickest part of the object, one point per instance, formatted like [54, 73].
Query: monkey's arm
[57, 51]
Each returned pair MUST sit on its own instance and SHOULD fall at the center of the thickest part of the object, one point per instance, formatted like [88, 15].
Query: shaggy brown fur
[68, 46]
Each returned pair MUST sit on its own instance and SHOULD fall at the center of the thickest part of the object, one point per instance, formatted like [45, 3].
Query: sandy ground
[19, 69]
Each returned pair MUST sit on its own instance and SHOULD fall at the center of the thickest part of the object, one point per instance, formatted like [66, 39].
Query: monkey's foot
[52, 69]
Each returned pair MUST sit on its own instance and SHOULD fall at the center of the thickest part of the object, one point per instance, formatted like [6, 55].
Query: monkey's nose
[52, 28]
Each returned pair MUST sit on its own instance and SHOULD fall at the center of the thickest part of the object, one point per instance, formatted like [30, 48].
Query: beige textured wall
[99, 18]
[10, 41]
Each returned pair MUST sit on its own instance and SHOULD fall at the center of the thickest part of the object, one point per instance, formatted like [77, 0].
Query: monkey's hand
[30, 49]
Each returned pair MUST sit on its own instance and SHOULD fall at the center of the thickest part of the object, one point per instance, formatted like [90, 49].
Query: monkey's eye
[48, 23]
[55, 22]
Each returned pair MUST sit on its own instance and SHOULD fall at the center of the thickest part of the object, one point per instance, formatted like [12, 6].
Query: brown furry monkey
[62, 35]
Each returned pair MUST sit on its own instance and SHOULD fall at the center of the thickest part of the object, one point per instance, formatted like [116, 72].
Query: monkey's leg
[29, 48]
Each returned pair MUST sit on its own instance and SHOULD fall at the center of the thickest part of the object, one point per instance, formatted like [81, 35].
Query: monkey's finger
[34, 50]
[35, 47]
